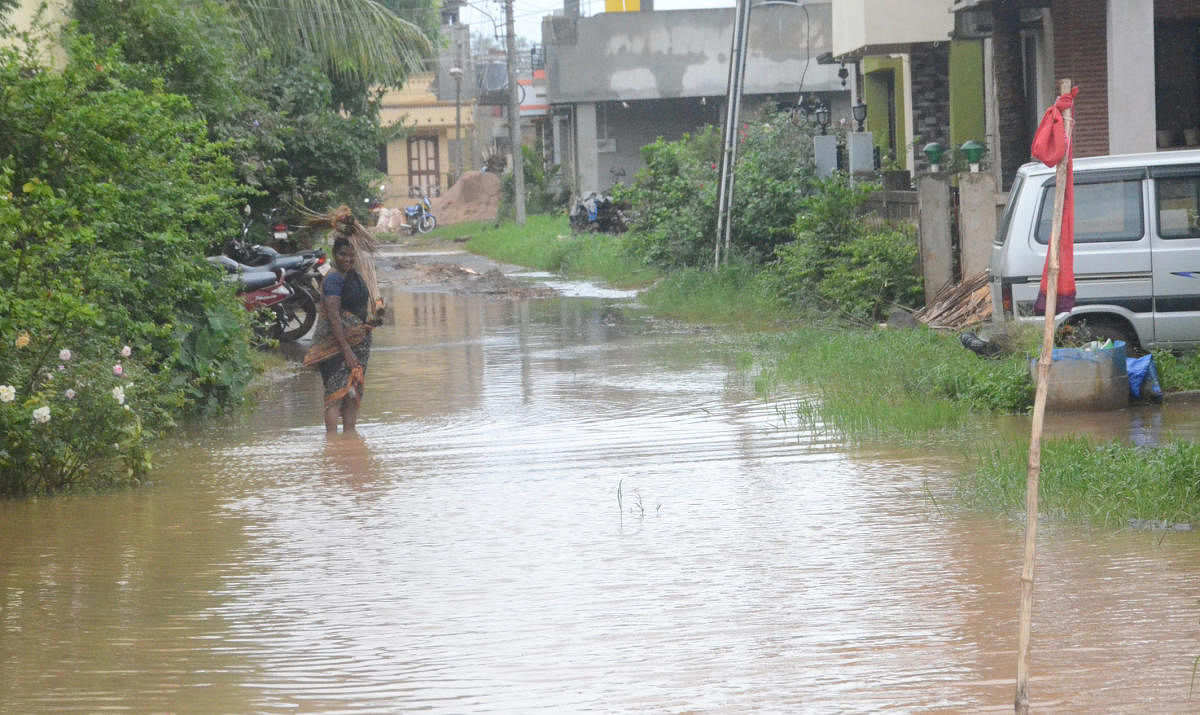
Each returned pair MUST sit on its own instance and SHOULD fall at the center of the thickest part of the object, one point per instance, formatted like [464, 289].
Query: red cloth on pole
[1051, 146]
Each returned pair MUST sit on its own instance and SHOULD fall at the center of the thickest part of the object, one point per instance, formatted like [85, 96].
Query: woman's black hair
[340, 242]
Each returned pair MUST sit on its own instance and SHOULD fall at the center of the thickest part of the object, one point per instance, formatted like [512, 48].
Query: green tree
[280, 124]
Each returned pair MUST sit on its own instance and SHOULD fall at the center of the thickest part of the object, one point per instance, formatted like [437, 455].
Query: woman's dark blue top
[352, 290]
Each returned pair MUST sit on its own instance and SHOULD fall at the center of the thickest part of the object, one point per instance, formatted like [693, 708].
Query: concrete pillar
[1131, 117]
[587, 169]
[976, 220]
[933, 207]
[861, 148]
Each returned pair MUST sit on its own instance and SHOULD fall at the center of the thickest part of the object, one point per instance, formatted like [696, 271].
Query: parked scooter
[295, 311]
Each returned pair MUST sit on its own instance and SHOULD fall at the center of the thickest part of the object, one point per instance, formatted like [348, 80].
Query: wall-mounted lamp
[859, 111]
[974, 151]
[933, 151]
[843, 73]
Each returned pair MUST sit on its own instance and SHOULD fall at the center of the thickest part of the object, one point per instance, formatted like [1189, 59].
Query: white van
[1137, 247]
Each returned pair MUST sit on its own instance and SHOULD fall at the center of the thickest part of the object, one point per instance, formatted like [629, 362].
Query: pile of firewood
[959, 305]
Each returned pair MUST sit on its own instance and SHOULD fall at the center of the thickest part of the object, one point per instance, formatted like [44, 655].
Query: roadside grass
[904, 386]
[546, 243]
[736, 296]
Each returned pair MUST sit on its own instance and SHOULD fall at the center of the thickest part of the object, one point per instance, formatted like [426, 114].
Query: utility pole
[514, 115]
[457, 73]
[733, 109]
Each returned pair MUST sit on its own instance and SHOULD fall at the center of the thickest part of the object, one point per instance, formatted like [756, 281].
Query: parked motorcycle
[305, 269]
[420, 218]
[281, 234]
[260, 291]
[597, 212]
[295, 311]
[414, 219]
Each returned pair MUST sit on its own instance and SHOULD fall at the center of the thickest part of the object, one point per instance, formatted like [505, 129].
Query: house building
[428, 157]
[619, 80]
[918, 83]
[929, 71]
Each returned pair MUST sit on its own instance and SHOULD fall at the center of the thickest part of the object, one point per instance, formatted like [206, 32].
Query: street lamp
[823, 116]
[457, 73]
[974, 152]
[859, 110]
[933, 151]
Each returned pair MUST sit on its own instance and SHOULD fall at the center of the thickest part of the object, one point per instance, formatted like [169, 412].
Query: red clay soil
[474, 197]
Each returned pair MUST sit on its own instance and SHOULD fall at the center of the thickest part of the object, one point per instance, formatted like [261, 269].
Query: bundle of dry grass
[959, 305]
[343, 224]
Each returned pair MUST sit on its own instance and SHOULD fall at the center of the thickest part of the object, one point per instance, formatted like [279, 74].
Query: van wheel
[1099, 328]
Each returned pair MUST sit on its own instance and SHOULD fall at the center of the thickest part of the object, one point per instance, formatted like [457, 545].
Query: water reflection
[467, 551]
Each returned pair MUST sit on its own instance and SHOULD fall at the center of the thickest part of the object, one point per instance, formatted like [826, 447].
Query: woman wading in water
[350, 310]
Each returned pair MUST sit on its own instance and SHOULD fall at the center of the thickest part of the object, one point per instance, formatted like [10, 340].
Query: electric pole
[514, 115]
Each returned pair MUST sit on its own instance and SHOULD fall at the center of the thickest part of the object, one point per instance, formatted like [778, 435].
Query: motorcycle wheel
[427, 223]
[299, 313]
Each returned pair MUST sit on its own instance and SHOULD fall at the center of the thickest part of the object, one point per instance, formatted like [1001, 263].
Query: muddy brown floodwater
[554, 507]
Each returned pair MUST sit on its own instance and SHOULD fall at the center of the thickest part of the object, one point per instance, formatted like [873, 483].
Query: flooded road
[553, 508]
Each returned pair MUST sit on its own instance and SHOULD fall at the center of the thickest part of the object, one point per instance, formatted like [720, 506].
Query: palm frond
[354, 38]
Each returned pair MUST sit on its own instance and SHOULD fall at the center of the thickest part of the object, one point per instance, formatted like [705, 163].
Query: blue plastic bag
[1143, 375]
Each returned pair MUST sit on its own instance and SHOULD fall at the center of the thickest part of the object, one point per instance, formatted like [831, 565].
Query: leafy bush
[674, 197]
[108, 196]
[840, 262]
[546, 191]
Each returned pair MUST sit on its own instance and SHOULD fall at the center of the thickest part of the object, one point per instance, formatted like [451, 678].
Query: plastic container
[1092, 377]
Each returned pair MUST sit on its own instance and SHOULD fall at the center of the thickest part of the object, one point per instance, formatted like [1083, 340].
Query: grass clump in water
[893, 383]
[1111, 483]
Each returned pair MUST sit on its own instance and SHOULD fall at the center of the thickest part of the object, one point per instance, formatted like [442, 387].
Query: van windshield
[1104, 211]
[1006, 219]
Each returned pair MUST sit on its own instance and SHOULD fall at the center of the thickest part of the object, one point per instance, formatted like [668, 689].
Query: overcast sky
[527, 14]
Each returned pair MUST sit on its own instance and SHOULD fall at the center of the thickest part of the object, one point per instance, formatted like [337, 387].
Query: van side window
[1104, 211]
[1178, 206]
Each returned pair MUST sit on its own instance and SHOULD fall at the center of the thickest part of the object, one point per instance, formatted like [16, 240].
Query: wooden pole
[1025, 621]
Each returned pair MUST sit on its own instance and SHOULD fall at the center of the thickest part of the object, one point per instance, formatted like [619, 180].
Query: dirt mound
[474, 197]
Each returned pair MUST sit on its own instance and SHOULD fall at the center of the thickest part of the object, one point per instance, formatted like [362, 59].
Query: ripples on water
[548, 509]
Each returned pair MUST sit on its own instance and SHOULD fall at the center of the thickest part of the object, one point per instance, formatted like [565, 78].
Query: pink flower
[126, 351]
[70, 394]
[118, 370]
[64, 355]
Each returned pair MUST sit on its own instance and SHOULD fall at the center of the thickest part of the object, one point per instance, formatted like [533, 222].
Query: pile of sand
[474, 197]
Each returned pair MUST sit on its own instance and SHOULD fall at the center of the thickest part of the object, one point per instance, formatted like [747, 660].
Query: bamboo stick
[1021, 704]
